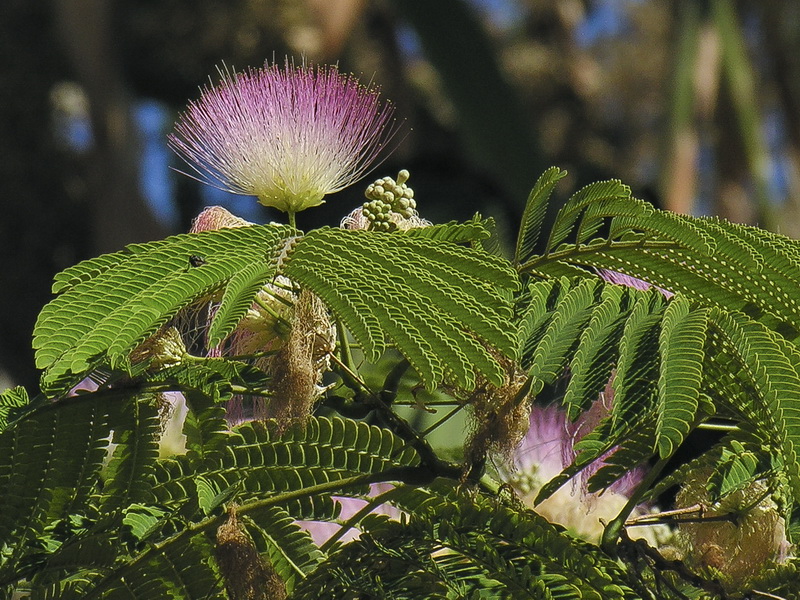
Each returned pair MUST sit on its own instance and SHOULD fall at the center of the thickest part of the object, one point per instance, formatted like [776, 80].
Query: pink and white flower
[546, 450]
[289, 136]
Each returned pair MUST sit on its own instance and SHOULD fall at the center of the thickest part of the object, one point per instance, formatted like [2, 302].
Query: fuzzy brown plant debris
[298, 366]
[499, 414]
[246, 575]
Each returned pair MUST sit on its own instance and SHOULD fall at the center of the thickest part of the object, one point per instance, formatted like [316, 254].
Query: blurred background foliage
[695, 104]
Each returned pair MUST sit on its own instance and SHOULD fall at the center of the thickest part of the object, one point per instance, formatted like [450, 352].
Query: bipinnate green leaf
[440, 304]
[456, 546]
[681, 343]
[106, 308]
[143, 520]
[711, 261]
[474, 230]
[289, 548]
[128, 474]
[530, 229]
[49, 469]
[262, 460]
[736, 468]
[237, 299]
[770, 368]
[11, 400]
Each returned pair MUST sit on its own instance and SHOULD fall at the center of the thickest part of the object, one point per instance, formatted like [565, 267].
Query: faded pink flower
[631, 282]
[322, 531]
[217, 217]
[546, 450]
[289, 136]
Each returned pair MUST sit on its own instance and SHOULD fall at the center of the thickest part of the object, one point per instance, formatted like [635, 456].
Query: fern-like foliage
[440, 304]
[108, 306]
[50, 470]
[465, 546]
[11, 401]
[722, 346]
[153, 517]
[373, 282]
[89, 509]
[709, 260]
[326, 449]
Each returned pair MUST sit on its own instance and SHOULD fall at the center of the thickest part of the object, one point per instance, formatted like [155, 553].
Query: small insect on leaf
[196, 261]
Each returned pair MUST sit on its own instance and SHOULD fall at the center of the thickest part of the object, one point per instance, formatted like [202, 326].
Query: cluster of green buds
[387, 196]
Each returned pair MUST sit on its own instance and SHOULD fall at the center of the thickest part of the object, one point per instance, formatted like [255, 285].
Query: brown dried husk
[499, 415]
[246, 574]
[301, 361]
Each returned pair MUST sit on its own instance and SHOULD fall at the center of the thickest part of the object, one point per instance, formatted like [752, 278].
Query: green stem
[284, 324]
[441, 421]
[282, 299]
[292, 220]
[718, 426]
[395, 423]
[583, 249]
[345, 360]
[356, 518]
[42, 404]
[613, 531]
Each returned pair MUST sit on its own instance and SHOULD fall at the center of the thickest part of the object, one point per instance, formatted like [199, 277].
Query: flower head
[288, 136]
[739, 550]
[546, 450]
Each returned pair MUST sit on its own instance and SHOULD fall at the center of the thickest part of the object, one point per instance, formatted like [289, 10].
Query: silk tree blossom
[546, 450]
[289, 136]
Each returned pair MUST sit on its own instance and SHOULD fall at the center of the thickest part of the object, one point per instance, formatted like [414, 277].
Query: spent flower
[288, 135]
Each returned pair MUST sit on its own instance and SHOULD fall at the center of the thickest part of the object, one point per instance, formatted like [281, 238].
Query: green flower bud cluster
[387, 196]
